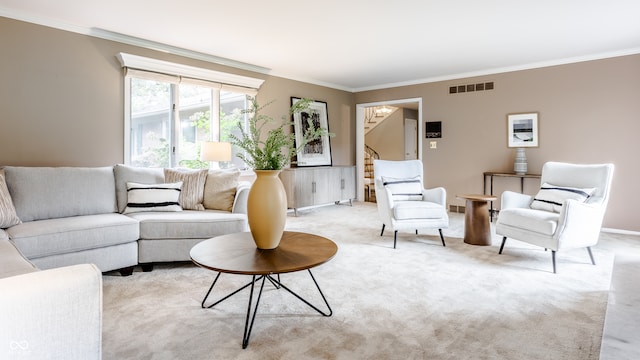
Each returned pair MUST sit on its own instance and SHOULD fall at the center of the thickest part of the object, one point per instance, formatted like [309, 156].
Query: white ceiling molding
[130, 40]
[530, 66]
[170, 68]
[153, 45]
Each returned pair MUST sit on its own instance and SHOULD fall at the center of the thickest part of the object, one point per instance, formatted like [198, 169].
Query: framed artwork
[316, 152]
[522, 130]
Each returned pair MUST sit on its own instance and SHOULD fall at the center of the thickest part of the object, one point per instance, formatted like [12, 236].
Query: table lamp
[214, 152]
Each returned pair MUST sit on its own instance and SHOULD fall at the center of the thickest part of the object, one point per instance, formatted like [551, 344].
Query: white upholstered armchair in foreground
[403, 202]
[566, 213]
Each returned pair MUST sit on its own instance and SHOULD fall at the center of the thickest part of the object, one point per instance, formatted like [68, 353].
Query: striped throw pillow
[552, 197]
[403, 189]
[8, 216]
[153, 197]
[192, 194]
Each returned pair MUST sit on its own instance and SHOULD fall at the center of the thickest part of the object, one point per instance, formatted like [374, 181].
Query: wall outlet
[433, 144]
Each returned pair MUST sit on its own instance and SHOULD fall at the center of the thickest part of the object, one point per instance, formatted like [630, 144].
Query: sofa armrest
[242, 194]
[53, 313]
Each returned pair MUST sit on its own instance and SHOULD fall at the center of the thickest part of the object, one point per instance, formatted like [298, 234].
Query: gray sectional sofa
[74, 215]
[50, 314]
[61, 228]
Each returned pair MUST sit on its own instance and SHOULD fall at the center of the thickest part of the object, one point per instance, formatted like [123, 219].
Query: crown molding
[130, 40]
[530, 66]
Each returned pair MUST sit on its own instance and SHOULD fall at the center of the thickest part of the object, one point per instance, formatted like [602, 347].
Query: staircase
[374, 117]
[369, 187]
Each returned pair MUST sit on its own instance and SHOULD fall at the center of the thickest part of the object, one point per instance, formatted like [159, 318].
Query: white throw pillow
[153, 197]
[403, 189]
[552, 197]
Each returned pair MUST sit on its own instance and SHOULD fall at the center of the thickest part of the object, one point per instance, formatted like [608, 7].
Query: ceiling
[358, 45]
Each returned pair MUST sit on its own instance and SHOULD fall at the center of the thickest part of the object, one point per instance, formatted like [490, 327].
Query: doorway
[412, 103]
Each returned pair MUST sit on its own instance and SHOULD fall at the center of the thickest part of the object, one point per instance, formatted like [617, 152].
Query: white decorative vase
[267, 209]
[520, 162]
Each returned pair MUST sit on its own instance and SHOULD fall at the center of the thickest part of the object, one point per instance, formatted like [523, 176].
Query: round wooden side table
[477, 230]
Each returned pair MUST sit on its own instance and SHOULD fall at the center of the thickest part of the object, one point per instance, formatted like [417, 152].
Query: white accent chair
[403, 203]
[559, 216]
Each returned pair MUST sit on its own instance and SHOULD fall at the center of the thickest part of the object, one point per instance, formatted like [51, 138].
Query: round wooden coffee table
[477, 230]
[238, 254]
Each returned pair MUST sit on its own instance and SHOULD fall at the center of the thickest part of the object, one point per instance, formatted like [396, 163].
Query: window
[169, 115]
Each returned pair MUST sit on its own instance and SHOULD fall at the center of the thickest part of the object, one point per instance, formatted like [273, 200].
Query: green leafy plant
[278, 147]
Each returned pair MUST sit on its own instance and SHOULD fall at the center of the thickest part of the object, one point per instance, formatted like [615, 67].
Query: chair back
[598, 176]
[398, 169]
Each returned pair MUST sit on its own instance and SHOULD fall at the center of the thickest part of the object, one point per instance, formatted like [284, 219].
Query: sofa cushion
[124, 174]
[12, 262]
[8, 216]
[403, 210]
[40, 193]
[403, 189]
[58, 236]
[220, 189]
[552, 197]
[192, 192]
[153, 197]
[188, 224]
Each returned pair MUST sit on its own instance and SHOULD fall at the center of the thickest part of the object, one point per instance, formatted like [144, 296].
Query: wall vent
[471, 88]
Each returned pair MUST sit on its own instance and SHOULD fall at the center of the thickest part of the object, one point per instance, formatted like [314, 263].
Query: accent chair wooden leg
[395, 237]
[504, 240]
[553, 260]
[382, 232]
[441, 237]
[591, 255]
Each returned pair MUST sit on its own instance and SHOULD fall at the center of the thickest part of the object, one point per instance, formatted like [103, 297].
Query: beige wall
[589, 112]
[61, 102]
[62, 98]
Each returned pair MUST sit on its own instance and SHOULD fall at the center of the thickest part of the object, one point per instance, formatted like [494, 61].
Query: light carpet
[419, 301]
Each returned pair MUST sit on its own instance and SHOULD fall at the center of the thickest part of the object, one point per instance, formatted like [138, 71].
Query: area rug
[419, 301]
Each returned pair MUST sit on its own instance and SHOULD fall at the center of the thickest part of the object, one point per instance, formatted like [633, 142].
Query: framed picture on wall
[316, 152]
[522, 130]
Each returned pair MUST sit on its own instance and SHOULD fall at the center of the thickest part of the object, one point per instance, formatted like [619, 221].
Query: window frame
[152, 69]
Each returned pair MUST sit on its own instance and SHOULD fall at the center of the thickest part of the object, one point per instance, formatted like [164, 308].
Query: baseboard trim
[620, 231]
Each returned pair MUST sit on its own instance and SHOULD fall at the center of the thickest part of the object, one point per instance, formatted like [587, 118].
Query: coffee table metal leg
[224, 298]
[247, 326]
[305, 301]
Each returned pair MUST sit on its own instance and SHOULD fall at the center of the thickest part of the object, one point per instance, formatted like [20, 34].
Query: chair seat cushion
[542, 222]
[404, 210]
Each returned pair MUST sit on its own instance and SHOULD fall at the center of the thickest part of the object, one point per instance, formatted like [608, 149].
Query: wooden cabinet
[311, 186]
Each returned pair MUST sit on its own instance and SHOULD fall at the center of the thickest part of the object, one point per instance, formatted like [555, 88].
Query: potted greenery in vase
[267, 154]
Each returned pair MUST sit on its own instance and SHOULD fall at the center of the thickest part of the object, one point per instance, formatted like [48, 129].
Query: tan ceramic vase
[267, 209]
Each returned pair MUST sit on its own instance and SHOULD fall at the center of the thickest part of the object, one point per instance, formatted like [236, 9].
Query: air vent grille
[471, 88]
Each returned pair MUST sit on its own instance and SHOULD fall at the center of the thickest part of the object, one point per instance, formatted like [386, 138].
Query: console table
[492, 174]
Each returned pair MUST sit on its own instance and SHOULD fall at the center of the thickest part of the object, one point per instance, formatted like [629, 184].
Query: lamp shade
[215, 151]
